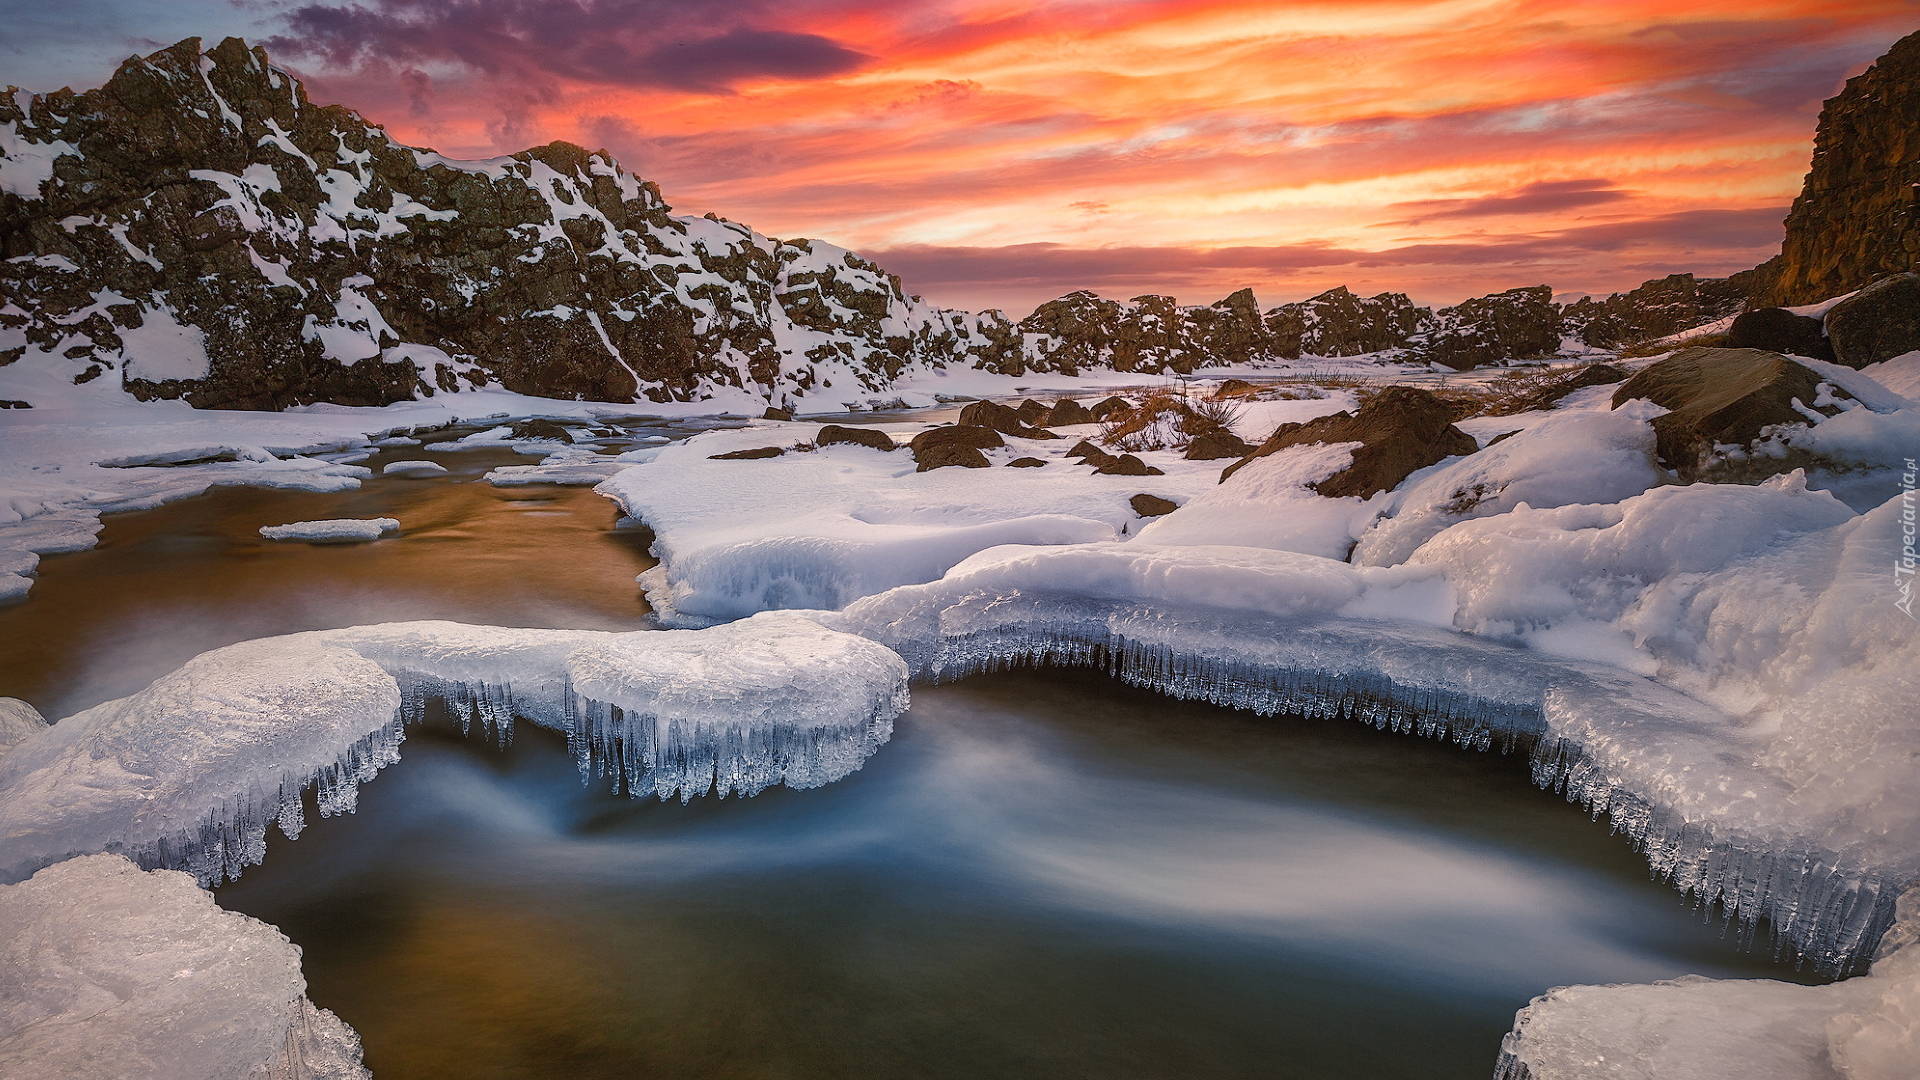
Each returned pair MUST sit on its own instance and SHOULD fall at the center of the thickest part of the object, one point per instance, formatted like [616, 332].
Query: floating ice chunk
[187, 773]
[413, 468]
[332, 530]
[571, 466]
[115, 972]
[18, 721]
[1866, 1028]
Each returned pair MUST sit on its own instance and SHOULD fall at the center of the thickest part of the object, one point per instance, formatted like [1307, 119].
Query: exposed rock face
[197, 228]
[1516, 324]
[1002, 418]
[1217, 445]
[1152, 505]
[1067, 412]
[1779, 330]
[1338, 323]
[1858, 217]
[834, 434]
[1721, 397]
[958, 444]
[1401, 429]
[1657, 308]
[1878, 323]
[540, 429]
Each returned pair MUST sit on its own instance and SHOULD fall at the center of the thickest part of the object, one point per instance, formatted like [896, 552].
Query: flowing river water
[1044, 874]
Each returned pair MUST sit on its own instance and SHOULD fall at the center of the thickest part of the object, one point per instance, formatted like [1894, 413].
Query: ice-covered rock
[1865, 1028]
[115, 972]
[413, 468]
[1576, 457]
[332, 530]
[187, 773]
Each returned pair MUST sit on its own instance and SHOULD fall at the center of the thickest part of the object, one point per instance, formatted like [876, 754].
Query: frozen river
[1043, 874]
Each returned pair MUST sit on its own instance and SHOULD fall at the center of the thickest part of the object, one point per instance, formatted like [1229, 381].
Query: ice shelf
[188, 773]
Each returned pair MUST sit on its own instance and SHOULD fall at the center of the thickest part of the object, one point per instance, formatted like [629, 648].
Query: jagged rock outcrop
[1339, 323]
[1513, 325]
[1657, 308]
[1858, 216]
[198, 228]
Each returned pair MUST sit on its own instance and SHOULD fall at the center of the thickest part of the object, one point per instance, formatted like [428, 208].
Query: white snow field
[116, 972]
[822, 528]
[187, 773]
[333, 530]
[1866, 1028]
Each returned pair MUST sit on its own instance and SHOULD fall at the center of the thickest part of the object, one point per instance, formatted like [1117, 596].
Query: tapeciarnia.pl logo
[1903, 570]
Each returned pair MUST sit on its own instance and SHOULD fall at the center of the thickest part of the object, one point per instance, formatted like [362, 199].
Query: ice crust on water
[1866, 1028]
[188, 773]
[116, 972]
[1743, 791]
[332, 530]
[412, 468]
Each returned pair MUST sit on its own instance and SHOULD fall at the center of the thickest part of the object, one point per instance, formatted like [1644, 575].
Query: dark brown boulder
[992, 414]
[1026, 463]
[1234, 388]
[774, 412]
[959, 444]
[540, 429]
[1089, 454]
[833, 434]
[1106, 407]
[1217, 444]
[1718, 397]
[1781, 331]
[1399, 430]
[1877, 323]
[1032, 413]
[754, 454]
[1126, 465]
[1067, 412]
[1152, 505]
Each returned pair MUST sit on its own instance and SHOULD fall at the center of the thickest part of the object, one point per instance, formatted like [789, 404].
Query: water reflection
[1043, 874]
[167, 584]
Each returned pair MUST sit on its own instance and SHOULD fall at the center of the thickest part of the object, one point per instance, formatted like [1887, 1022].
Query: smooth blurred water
[1044, 874]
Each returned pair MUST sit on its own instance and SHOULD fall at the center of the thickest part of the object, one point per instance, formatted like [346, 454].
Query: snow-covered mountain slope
[197, 228]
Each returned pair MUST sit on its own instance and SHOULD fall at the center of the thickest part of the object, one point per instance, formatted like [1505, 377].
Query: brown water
[167, 584]
[1043, 874]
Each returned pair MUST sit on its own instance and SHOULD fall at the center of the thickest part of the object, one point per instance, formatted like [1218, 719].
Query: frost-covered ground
[1724, 669]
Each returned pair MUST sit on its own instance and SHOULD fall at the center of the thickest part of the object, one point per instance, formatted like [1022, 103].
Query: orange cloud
[1442, 147]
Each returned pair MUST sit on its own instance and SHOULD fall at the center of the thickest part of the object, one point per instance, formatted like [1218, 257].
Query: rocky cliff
[1858, 217]
[197, 228]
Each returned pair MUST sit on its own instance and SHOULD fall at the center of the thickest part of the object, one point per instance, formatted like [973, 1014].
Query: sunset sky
[997, 154]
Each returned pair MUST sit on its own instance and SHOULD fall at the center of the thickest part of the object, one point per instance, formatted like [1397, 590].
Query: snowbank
[112, 972]
[332, 530]
[187, 773]
[1866, 1028]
